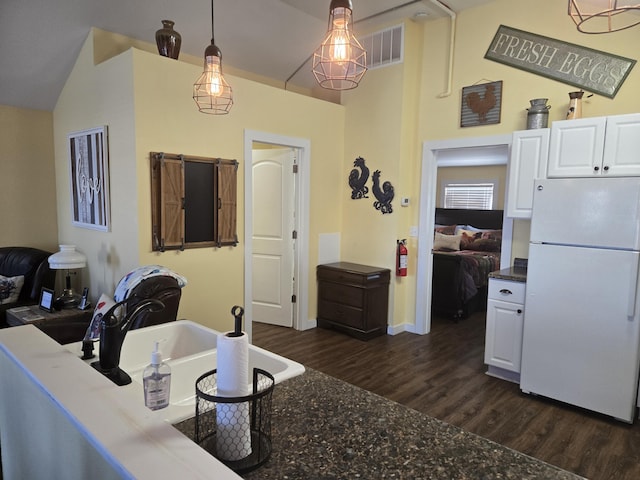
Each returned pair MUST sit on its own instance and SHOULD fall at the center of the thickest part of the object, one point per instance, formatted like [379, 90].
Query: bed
[466, 249]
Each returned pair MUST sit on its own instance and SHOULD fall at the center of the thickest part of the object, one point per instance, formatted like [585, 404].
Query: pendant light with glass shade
[604, 16]
[340, 62]
[211, 91]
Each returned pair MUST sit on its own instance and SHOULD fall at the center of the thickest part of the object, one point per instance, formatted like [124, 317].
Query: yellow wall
[497, 173]
[100, 95]
[381, 127]
[396, 109]
[146, 101]
[476, 28]
[27, 186]
[167, 119]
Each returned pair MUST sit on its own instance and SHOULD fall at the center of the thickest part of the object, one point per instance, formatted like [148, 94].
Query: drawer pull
[519, 311]
[506, 291]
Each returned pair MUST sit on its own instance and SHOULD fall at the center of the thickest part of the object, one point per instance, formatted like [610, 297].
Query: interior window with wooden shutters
[472, 195]
[193, 201]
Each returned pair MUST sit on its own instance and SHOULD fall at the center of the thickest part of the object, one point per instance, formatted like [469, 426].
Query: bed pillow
[10, 288]
[471, 228]
[446, 229]
[446, 242]
[485, 245]
[467, 238]
[492, 235]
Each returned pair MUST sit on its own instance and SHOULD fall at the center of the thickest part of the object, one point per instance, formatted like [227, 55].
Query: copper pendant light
[211, 91]
[340, 62]
[603, 16]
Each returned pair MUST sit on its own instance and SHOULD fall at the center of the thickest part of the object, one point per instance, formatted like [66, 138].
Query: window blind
[477, 196]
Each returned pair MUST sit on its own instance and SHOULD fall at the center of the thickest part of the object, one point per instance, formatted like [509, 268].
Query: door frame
[428, 187]
[301, 224]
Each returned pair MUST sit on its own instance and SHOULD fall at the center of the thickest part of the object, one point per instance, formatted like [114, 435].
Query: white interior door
[272, 241]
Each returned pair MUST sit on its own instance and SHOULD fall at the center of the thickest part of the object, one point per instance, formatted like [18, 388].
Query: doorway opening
[276, 228]
[492, 150]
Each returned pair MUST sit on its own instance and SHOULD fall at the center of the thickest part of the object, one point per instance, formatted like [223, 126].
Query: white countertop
[135, 441]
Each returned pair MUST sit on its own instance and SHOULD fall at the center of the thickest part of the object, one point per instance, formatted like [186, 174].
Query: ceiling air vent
[384, 47]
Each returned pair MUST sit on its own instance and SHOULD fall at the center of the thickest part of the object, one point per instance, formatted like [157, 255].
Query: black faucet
[113, 328]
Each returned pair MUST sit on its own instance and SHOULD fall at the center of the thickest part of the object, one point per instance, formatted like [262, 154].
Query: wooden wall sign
[481, 104]
[591, 70]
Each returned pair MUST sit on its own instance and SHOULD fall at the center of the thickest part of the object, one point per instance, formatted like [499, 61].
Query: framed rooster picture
[481, 104]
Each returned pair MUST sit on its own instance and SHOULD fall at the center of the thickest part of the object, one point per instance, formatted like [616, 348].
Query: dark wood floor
[442, 375]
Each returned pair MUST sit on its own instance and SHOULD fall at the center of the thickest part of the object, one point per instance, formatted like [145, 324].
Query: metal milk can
[538, 113]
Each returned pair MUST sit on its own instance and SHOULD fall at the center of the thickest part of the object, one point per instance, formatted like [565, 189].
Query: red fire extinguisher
[401, 258]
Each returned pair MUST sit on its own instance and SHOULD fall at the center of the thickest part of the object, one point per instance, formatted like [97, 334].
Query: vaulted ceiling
[41, 38]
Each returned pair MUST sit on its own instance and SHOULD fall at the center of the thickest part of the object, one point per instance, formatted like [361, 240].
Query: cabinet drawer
[367, 277]
[507, 290]
[342, 314]
[346, 294]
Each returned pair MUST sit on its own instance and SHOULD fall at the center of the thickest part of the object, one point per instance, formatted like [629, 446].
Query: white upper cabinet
[622, 145]
[527, 162]
[599, 146]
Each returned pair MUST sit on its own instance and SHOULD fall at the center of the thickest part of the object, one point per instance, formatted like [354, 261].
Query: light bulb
[340, 45]
[213, 77]
[340, 48]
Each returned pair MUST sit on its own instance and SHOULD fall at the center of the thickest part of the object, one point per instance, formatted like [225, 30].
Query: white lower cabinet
[505, 319]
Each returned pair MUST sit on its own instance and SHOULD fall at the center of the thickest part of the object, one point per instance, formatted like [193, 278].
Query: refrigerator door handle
[633, 289]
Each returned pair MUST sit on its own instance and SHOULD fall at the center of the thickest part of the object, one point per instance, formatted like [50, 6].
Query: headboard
[486, 219]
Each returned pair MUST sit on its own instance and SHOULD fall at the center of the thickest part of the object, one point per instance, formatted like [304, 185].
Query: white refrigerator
[581, 337]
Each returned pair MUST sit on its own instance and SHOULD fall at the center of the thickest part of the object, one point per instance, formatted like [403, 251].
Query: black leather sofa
[33, 264]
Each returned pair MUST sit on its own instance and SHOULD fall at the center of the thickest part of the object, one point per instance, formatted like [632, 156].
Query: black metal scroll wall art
[358, 179]
[359, 189]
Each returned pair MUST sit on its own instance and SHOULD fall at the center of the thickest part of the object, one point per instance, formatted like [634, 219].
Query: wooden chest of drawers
[353, 298]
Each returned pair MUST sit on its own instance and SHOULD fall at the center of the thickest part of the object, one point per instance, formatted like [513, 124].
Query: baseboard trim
[403, 327]
[308, 325]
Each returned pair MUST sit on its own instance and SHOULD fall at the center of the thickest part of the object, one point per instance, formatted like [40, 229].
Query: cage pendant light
[340, 62]
[603, 16]
[211, 91]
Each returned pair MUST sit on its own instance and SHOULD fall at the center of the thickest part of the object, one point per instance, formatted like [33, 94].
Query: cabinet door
[503, 344]
[621, 146]
[528, 161]
[576, 147]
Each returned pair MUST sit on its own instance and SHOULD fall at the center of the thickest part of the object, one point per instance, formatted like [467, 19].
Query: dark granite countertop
[326, 429]
[512, 273]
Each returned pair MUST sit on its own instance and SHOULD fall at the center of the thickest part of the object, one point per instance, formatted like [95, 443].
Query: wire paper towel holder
[259, 408]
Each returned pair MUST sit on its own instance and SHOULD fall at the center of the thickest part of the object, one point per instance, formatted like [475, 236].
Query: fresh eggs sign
[591, 70]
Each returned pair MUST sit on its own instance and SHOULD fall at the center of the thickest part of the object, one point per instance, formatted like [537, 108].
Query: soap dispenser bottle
[156, 379]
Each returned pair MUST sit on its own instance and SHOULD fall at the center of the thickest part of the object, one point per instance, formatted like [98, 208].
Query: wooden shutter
[167, 190]
[227, 173]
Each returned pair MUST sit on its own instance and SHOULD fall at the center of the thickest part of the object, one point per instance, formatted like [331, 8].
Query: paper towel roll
[233, 437]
